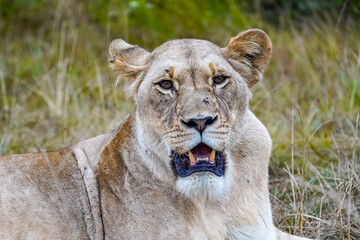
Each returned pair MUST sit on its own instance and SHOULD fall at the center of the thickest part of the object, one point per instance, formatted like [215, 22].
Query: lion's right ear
[128, 59]
[249, 53]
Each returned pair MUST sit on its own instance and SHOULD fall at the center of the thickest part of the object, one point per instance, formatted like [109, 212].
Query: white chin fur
[204, 185]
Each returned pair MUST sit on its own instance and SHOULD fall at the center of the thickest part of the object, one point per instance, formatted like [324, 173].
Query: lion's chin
[203, 185]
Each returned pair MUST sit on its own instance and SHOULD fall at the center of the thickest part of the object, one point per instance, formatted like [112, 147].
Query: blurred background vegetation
[56, 88]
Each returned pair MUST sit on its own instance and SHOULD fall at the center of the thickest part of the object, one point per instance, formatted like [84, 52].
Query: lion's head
[191, 98]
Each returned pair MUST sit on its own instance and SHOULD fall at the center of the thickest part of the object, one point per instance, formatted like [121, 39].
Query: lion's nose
[200, 124]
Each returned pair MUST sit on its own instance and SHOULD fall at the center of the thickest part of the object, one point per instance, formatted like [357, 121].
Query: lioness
[191, 162]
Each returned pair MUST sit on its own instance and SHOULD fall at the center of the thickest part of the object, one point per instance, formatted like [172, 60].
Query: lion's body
[47, 195]
[124, 185]
[42, 196]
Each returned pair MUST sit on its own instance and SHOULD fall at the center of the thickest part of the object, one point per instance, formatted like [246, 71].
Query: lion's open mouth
[200, 158]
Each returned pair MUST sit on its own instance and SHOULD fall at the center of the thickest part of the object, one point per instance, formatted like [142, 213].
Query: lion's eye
[219, 79]
[166, 84]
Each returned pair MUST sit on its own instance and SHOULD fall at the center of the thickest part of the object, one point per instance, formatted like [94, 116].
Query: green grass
[56, 89]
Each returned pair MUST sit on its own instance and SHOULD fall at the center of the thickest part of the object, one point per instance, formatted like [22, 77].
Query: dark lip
[184, 169]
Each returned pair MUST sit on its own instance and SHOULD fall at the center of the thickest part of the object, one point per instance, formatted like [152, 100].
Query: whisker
[217, 137]
[178, 142]
[174, 130]
[219, 132]
[183, 135]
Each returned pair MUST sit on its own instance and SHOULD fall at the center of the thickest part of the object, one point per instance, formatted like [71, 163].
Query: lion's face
[189, 95]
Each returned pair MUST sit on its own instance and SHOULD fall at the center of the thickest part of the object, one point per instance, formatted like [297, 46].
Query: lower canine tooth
[212, 156]
[192, 158]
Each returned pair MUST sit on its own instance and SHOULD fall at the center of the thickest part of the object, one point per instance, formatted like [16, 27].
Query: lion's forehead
[187, 58]
[185, 47]
[186, 52]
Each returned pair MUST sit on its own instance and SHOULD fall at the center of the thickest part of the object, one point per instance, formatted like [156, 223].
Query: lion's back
[42, 196]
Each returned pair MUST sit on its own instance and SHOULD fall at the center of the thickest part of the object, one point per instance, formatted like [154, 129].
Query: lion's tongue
[201, 151]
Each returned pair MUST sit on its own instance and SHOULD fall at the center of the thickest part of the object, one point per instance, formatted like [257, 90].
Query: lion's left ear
[128, 59]
[249, 53]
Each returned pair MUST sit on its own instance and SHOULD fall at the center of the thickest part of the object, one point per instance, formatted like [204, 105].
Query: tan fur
[122, 185]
